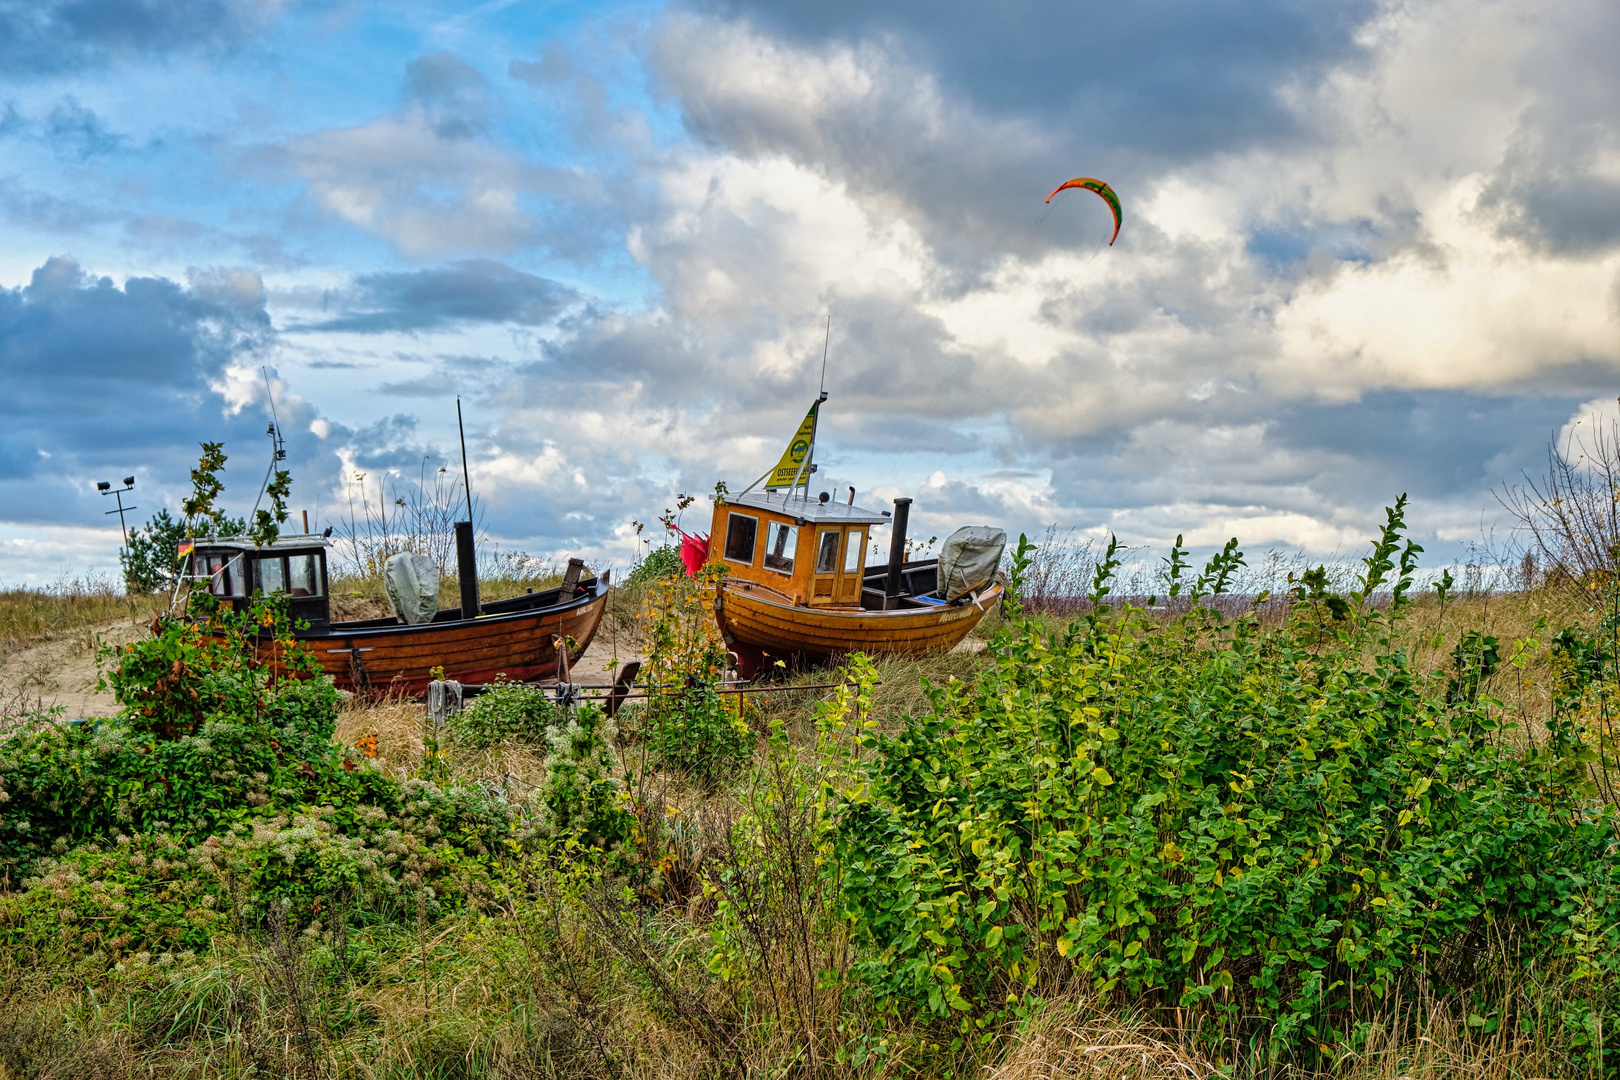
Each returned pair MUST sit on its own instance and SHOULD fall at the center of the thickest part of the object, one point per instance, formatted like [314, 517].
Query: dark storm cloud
[391, 445]
[102, 381]
[1446, 449]
[1171, 78]
[470, 291]
[1554, 195]
[45, 36]
[1432, 443]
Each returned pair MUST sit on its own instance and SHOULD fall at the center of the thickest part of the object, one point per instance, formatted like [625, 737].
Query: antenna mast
[278, 445]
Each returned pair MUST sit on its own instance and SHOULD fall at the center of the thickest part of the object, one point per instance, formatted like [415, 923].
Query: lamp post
[106, 488]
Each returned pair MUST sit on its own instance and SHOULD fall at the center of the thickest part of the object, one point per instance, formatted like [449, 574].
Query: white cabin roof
[281, 543]
[795, 504]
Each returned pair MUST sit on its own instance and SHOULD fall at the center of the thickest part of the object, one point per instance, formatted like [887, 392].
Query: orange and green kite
[1103, 190]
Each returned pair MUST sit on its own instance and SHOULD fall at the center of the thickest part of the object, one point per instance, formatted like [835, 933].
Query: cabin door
[839, 553]
[847, 589]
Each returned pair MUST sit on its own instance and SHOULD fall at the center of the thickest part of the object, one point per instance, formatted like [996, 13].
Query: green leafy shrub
[505, 710]
[431, 841]
[584, 798]
[689, 725]
[226, 764]
[700, 733]
[1261, 830]
[106, 901]
[660, 563]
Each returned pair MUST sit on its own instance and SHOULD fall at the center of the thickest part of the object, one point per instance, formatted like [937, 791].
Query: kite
[1103, 190]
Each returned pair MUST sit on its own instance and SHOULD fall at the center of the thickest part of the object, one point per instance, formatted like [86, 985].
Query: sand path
[61, 670]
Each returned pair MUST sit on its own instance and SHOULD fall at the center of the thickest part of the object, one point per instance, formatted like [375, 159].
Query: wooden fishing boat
[797, 588]
[517, 637]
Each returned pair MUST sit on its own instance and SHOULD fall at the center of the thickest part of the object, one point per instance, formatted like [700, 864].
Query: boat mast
[808, 467]
[466, 555]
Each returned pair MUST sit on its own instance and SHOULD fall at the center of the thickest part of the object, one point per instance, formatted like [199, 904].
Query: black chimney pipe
[467, 570]
[897, 551]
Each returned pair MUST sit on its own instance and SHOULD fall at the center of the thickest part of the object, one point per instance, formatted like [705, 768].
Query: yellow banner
[793, 457]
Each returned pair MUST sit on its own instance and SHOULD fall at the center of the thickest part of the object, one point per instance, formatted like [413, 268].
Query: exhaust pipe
[897, 551]
[467, 570]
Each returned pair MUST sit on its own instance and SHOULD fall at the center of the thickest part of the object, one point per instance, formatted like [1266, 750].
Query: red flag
[694, 553]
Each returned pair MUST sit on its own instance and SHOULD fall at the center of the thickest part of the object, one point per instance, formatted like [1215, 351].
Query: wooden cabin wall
[801, 582]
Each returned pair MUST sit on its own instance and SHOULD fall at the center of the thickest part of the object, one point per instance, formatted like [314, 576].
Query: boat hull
[399, 659]
[759, 628]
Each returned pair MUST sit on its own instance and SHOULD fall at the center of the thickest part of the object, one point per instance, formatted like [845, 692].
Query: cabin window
[781, 544]
[303, 576]
[270, 575]
[740, 533]
[218, 571]
[853, 551]
[827, 552]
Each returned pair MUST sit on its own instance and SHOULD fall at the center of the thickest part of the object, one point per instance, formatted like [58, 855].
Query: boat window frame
[791, 560]
[316, 590]
[223, 579]
[753, 541]
[836, 535]
[855, 545]
[259, 562]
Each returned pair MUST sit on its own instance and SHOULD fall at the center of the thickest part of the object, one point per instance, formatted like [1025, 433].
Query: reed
[31, 615]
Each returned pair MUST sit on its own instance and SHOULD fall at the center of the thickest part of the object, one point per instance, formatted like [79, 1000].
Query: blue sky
[1368, 248]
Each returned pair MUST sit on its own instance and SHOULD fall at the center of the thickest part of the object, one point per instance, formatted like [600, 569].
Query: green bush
[106, 901]
[584, 797]
[698, 732]
[218, 786]
[1261, 830]
[505, 710]
[663, 562]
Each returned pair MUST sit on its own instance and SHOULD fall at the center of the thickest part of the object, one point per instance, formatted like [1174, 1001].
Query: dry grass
[1076, 1042]
[356, 598]
[399, 725]
[29, 616]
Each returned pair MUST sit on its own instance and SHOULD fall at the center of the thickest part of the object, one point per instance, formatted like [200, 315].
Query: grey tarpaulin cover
[970, 557]
[412, 582]
[444, 700]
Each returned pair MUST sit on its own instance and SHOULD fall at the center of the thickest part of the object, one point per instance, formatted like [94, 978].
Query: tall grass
[30, 615]
[1065, 562]
[500, 575]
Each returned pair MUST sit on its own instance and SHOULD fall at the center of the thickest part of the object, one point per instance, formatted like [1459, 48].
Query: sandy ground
[61, 671]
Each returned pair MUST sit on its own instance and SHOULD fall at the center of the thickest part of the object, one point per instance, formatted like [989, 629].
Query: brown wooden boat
[517, 637]
[797, 588]
[756, 619]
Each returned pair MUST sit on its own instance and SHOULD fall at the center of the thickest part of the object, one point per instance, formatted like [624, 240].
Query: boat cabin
[812, 551]
[233, 568]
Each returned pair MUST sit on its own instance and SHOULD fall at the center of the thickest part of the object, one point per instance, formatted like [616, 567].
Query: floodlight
[102, 485]
[129, 481]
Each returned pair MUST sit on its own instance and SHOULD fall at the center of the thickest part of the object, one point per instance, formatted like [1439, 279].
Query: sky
[1368, 248]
